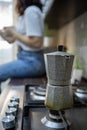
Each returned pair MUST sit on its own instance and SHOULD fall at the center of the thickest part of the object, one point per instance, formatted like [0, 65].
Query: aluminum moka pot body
[59, 92]
[59, 67]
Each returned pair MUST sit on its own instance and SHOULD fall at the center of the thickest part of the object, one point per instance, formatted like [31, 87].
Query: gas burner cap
[82, 90]
[81, 93]
[39, 91]
[58, 124]
[37, 97]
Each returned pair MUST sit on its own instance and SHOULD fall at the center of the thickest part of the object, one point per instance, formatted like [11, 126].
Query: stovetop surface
[76, 116]
[36, 110]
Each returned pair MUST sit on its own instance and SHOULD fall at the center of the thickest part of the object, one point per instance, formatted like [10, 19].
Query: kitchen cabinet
[64, 11]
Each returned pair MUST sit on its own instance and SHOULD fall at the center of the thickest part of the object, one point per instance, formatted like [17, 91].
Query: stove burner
[56, 120]
[81, 95]
[38, 93]
[82, 90]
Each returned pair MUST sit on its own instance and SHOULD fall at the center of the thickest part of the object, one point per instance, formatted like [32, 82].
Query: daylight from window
[5, 14]
[6, 19]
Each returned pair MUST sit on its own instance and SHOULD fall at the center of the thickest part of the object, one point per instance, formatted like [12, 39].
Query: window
[6, 19]
[6, 13]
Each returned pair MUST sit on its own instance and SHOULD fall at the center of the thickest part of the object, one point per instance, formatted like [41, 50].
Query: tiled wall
[74, 36]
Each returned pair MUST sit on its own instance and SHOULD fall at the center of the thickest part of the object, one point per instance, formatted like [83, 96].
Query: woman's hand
[8, 34]
[9, 31]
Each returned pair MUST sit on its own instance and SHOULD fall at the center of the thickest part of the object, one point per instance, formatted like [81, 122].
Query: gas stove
[39, 117]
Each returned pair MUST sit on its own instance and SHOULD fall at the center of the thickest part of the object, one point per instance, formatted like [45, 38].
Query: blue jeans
[28, 64]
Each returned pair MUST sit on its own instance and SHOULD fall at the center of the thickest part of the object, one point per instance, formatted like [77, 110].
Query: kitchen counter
[64, 11]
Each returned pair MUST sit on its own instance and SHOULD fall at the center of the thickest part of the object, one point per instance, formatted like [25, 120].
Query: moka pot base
[59, 97]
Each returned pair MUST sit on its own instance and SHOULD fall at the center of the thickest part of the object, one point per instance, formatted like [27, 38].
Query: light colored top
[31, 23]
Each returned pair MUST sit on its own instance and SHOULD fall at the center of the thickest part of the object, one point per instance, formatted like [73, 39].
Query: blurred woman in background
[28, 35]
